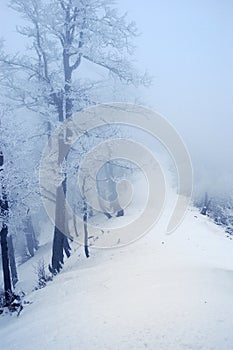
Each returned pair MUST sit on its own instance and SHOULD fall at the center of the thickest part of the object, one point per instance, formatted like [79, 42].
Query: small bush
[43, 277]
[15, 303]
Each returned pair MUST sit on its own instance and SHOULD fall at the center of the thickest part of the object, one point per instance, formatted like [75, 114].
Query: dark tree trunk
[60, 241]
[3, 236]
[86, 248]
[5, 266]
[57, 252]
[56, 99]
[120, 213]
[109, 216]
[14, 275]
[66, 247]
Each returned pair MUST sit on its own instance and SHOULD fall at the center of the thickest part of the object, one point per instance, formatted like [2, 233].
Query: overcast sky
[187, 46]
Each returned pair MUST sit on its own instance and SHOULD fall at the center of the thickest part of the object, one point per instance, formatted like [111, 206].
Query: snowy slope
[171, 292]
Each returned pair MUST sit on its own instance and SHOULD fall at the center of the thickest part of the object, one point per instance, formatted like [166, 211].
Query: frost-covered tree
[21, 143]
[63, 37]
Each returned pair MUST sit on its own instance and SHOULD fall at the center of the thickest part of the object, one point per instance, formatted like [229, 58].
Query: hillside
[170, 292]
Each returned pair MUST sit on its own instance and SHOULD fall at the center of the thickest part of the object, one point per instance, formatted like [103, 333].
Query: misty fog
[187, 47]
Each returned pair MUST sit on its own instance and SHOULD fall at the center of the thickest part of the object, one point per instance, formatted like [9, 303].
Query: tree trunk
[64, 108]
[3, 236]
[60, 241]
[30, 244]
[116, 208]
[57, 252]
[14, 275]
[86, 249]
[5, 266]
[32, 240]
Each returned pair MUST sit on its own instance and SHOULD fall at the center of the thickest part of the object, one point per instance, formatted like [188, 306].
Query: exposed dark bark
[5, 266]
[86, 248]
[1, 160]
[56, 99]
[66, 247]
[57, 253]
[109, 216]
[60, 241]
[60, 245]
[120, 213]
[11, 253]
[3, 236]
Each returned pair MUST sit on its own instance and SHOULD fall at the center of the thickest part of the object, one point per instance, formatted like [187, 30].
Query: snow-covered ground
[171, 292]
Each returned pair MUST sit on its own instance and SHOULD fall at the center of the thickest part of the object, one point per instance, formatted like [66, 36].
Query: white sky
[188, 48]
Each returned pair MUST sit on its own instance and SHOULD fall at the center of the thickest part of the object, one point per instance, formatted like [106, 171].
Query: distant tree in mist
[219, 208]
